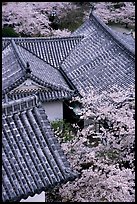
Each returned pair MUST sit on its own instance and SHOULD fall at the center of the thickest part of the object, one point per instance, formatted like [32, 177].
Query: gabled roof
[32, 158]
[100, 60]
[51, 50]
[18, 64]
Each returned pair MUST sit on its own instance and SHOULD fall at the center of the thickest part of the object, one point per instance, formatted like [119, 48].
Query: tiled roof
[5, 42]
[126, 38]
[101, 59]
[93, 23]
[32, 158]
[14, 70]
[51, 50]
[43, 96]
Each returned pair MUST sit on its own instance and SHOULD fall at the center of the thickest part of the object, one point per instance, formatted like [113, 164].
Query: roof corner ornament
[28, 70]
[92, 8]
[129, 33]
[132, 33]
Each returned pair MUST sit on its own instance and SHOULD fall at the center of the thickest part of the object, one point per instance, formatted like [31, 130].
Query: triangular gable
[16, 62]
[41, 72]
[29, 85]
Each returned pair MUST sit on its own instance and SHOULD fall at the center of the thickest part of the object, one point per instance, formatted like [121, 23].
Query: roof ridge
[25, 65]
[42, 38]
[119, 41]
[36, 56]
[18, 105]
[21, 60]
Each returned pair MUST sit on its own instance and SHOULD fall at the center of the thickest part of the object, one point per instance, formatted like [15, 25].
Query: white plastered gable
[29, 85]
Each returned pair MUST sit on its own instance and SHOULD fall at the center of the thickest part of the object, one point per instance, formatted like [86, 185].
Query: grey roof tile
[14, 70]
[101, 59]
[126, 38]
[33, 160]
[51, 50]
[43, 96]
[90, 26]
[11, 67]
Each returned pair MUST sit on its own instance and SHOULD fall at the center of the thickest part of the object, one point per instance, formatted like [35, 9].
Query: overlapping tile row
[11, 68]
[93, 23]
[127, 48]
[14, 65]
[100, 60]
[42, 70]
[43, 96]
[51, 50]
[85, 29]
[33, 160]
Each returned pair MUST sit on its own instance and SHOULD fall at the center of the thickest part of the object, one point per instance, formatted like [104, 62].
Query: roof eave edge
[92, 14]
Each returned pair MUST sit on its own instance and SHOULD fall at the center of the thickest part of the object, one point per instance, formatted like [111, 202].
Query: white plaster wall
[54, 110]
[36, 198]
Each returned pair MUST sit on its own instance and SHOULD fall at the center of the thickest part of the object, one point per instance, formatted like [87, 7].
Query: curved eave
[113, 35]
[43, 96]
[46, 84]
[70, 176]
[14, 85]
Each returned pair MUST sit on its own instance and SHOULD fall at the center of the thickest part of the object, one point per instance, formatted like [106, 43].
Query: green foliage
[112, 155]
[63, 130]
[9, 32]
[72, 20]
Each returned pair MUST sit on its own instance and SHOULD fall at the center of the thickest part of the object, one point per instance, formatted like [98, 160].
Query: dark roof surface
[101, 59]
[51, 50]
[32, 159]
[14, 70]
[93, 56]
[93, 23]
[126, 38]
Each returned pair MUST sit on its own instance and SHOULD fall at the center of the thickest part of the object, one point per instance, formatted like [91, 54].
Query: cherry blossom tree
[32, 18]
[103, 152]
[116, 12]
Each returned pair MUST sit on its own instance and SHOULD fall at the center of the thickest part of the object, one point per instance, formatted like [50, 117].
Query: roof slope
[14, 69]
[126, 38]
[101, 59]
[86, 28]
[51, 50]
[33, 160]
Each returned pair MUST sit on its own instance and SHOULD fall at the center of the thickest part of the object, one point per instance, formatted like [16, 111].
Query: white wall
[36, 198]
[54, 110]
